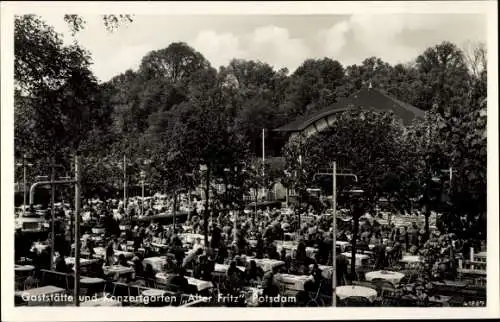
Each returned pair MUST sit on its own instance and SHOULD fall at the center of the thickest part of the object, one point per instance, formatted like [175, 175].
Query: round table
[91, 284]
[393, 277]
[344, 292]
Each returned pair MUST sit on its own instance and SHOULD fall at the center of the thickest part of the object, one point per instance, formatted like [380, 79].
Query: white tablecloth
[411, 259]
[360, 258]
[326, 271]
[191, 238]
[344, 292]
[101, 252]
[156, 262]
[117, 270]
[265, 263]
[83, 261]
[199, 284]
[343, 245]
[289, 246]
[222, 268]
[393, 277]
[23, 268]
[293, 282]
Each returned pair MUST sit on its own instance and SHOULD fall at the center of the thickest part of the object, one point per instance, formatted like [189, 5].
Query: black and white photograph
[267, 160]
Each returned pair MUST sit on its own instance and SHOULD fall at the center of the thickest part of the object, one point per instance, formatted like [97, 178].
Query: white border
[8, 9]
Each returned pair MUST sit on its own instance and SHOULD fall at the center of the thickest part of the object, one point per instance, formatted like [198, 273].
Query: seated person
[138, 266]
[177, 282]
[253, 272]
[122, 261]
[149, 272]
[61, 265]
[234, 278]
[96, 269]
[269, 287]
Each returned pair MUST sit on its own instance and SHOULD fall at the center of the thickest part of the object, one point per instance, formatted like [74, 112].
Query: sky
[279, 40]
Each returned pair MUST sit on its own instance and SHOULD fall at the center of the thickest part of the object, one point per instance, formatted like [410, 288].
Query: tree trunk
[205, 219]
[355, 229]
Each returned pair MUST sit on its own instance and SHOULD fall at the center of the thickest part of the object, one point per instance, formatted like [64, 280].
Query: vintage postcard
[249, 160]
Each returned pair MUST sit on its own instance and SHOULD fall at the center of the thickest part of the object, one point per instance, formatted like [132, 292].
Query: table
[101, 252]
[343, 245]
[191, 238]
[265, 263]
[23, 268]
[344, 292]
[326, 271]
[117, 271]
[360, 258]
[156, 262]
[393, 277]
[289, 246]
[466, 271]
[481, 256]
[101, 301]
[40, 294]
[83, 261]
[199, 284]
[293, 282]
[411, 259]
[222, 268]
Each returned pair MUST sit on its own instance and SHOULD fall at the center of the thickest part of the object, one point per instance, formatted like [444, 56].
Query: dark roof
[366, 99]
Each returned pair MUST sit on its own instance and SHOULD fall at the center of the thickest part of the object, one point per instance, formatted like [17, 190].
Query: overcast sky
[280, 40]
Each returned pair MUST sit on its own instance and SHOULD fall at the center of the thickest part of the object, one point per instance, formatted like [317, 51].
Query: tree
[444, 72]
[314, 85]
[111, 22]
[176, 64]
[57, 98]
[363, 143]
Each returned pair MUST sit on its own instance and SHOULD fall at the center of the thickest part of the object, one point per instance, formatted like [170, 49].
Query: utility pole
[124, 182]
[24, 164]
[52, 213]
[77, 231]
[334, 254]
[263, 162]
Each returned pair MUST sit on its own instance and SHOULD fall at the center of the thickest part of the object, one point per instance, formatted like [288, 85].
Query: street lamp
[24, 164]
[334, 175]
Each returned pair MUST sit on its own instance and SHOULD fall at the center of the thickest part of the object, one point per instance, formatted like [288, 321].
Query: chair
[357, 301]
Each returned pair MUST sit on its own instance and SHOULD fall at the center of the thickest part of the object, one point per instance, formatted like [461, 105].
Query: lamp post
[334, 175]
[24, 164]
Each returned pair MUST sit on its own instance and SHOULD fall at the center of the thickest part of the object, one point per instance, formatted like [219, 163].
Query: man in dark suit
[341, 269]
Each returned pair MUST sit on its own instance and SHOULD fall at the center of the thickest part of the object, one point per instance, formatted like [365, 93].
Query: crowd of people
[239, 239]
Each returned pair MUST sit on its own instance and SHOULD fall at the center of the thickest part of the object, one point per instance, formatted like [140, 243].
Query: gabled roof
[366, 99]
